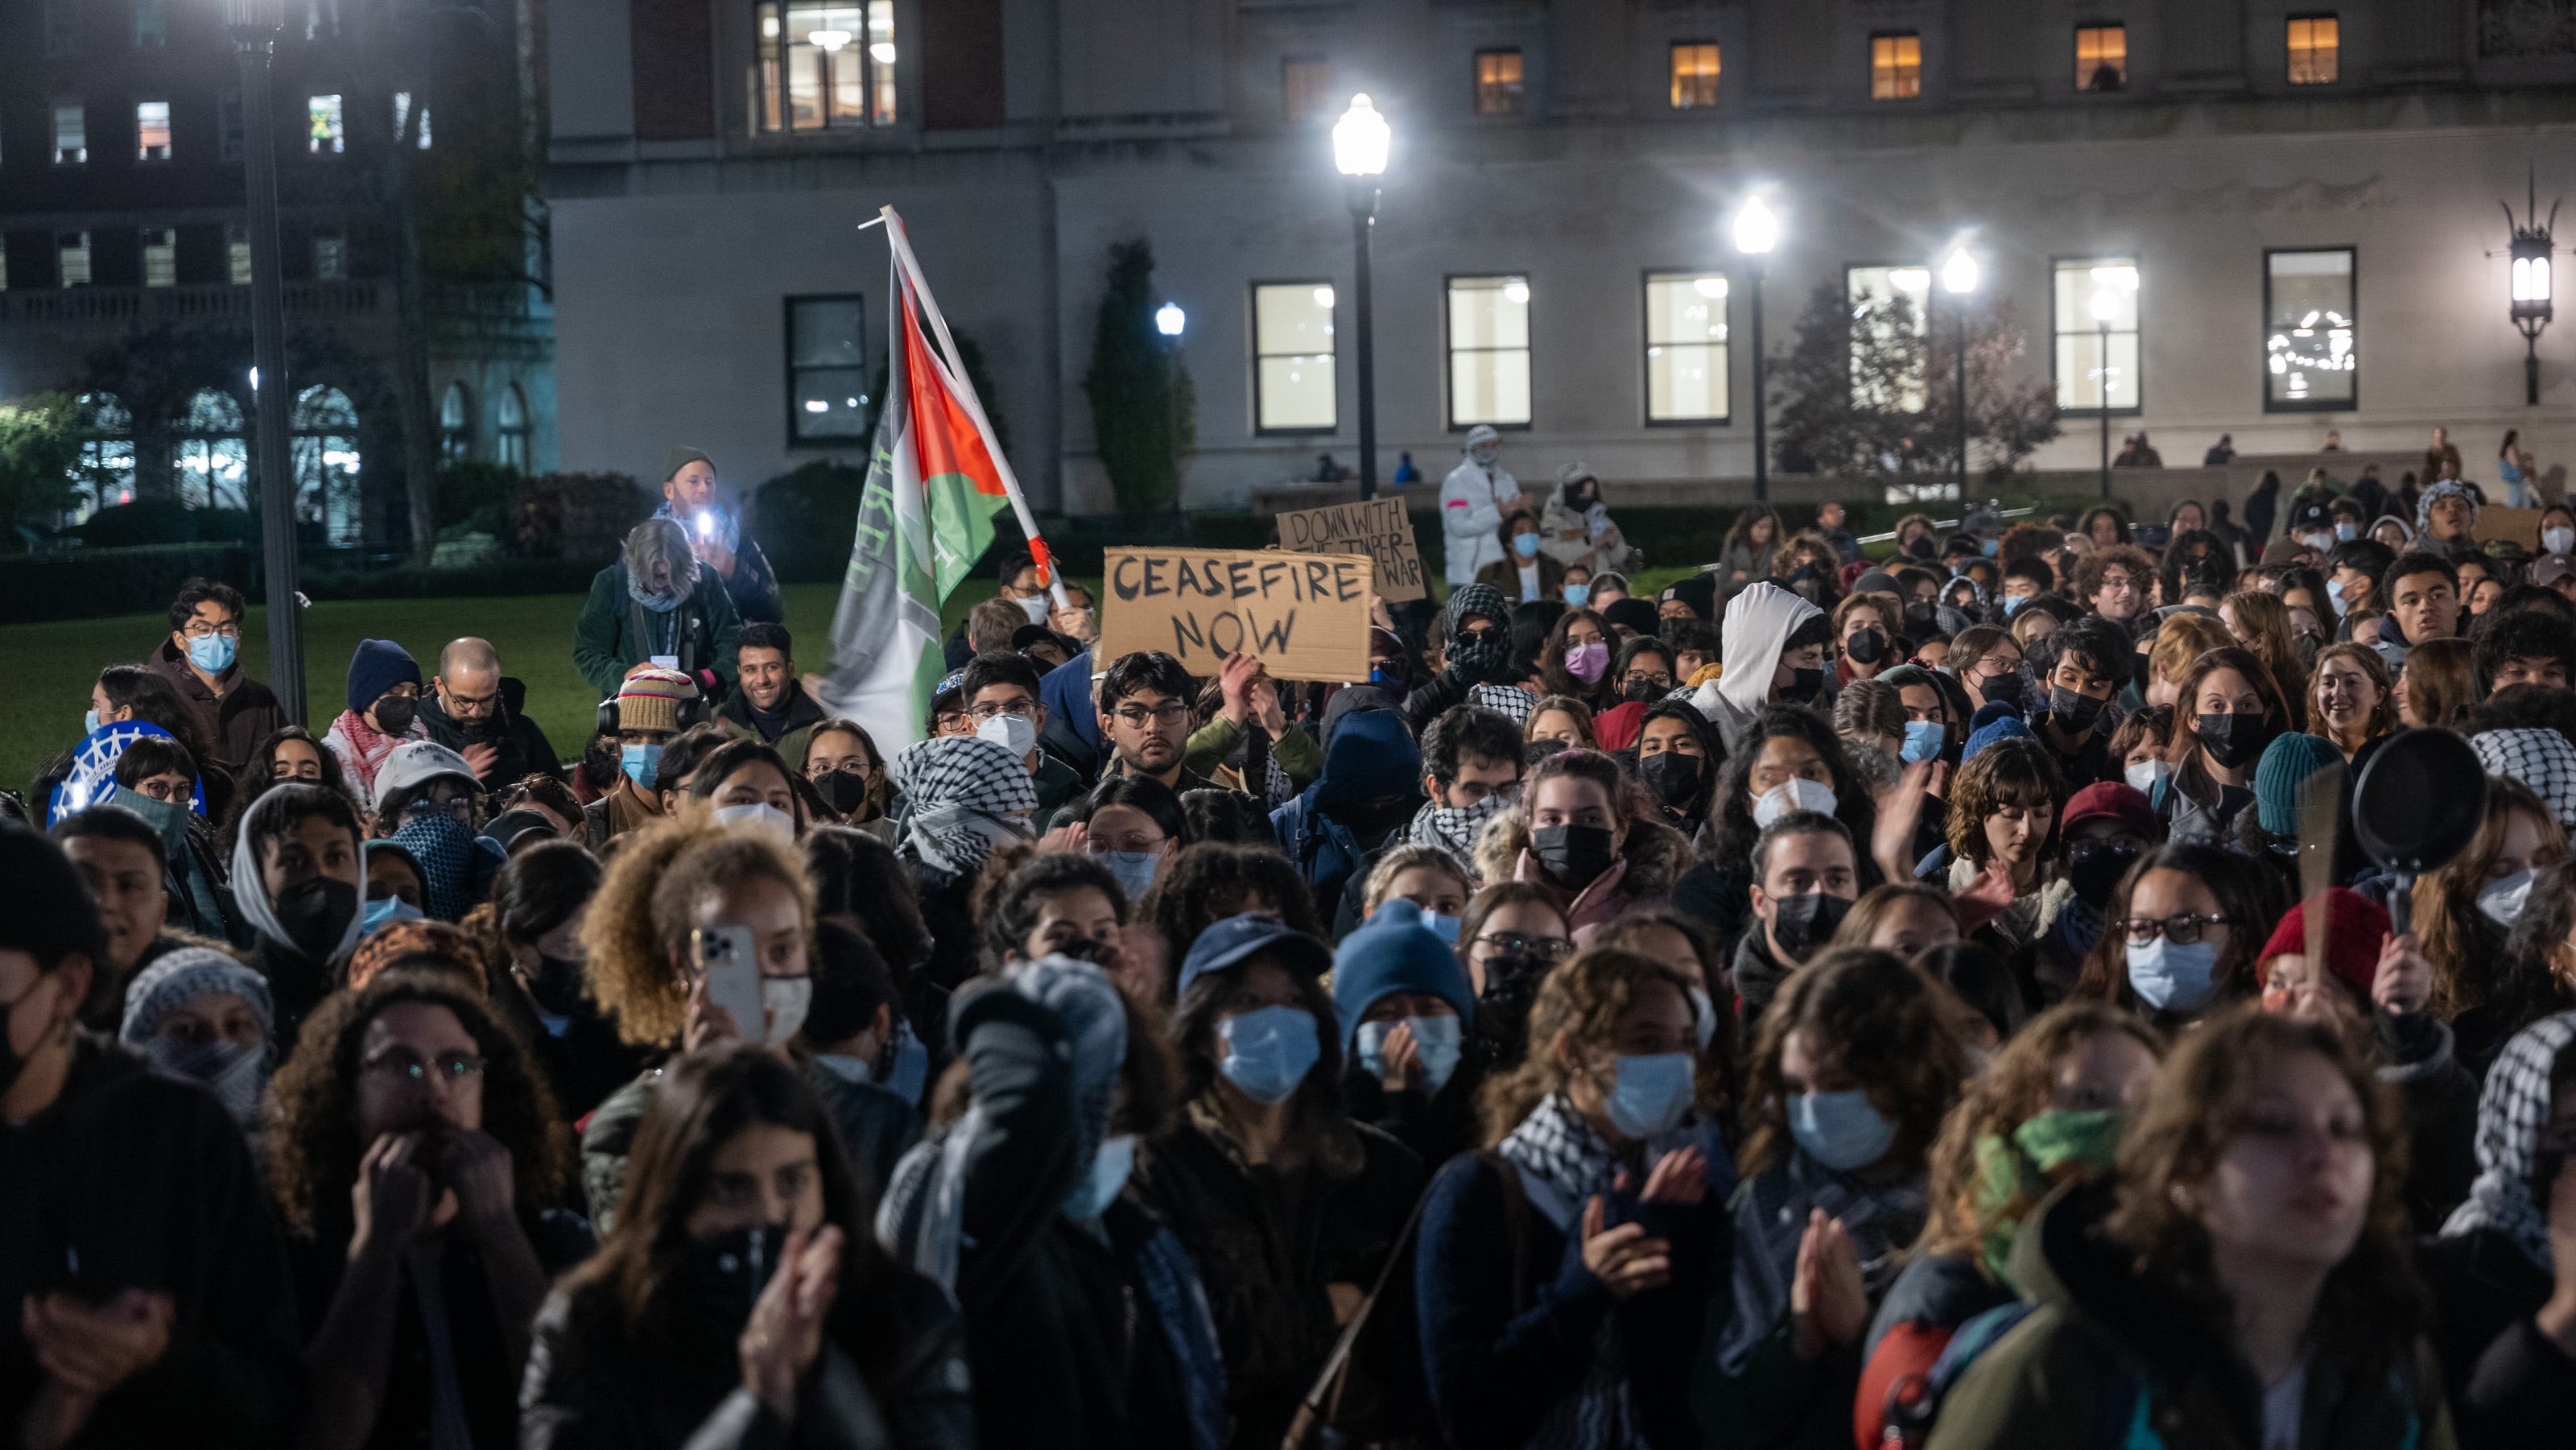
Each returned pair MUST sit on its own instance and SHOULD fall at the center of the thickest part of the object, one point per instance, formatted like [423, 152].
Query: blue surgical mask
[1703, 1018]
[1988, 547]
[2334, 594]
[639, 763]
[1525, 545]
[1269, 1051]
[89, 722]
[1134, 870]
[1923, 740]
[2171, 977]
[1445, 927]
[2013, 602]
[213, 653]
[1650, 1095]
[1437, 1040]
[1575, 594]
[386, 910]
[1100, 1187]
[1843, 1131]
[2347, 531]
[756, 815]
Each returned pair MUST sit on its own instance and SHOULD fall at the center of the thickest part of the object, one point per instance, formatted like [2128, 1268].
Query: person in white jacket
[1472, 500]
[1764, 661]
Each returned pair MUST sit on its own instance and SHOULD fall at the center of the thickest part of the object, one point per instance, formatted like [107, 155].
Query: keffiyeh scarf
[2539, 758]
[969, 795]
[1509, 701]
[1456, 828]
[456, 866]
[2512, 1110]
[1568, 1160]
[367, 750]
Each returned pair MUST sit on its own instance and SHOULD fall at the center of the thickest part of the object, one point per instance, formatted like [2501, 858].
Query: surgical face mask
[1576, 594]
[1035, 607]
[1650, 1095]
[1100, 1187]
[2073, 711]
[1484, 454]
[1017, 734]
[1703, 1018]
[1134, 870]
[1842, 1131]
[2172, 977]
[1268, 1051]
[1575, 855]
[1443, 927]
[89, 722]
[2318, 541]
[1672, 776]
[2503, 899]
[2013, 603]
[1586, 661]
[1438, 1041]
[1797, 793]
[2146, 775]
[2557, 541]
[385, 911]
[1800, 924]
[783, 1002]
[1988, 547]
[213, 653]
[1525, 545]
[1924, 740]
[756, 815]
[2334, 594]
[639, 763]
[2347, 531]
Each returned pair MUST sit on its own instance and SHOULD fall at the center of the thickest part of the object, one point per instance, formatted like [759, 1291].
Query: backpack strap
[1324, 1397]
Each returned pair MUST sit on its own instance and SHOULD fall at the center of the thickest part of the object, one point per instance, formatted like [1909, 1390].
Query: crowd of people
[1932, 1000]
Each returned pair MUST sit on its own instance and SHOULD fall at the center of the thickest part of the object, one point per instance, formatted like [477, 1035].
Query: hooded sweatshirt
[1758, 624]
[1334, 825]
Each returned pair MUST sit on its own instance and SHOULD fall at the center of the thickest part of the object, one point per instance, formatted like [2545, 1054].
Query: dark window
[827, 369]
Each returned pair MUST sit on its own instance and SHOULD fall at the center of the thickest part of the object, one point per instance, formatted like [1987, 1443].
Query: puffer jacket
[2112, 1358]
[1651, 859]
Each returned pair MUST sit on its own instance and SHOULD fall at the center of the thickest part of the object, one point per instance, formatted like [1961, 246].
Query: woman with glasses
[418, 1155]
[2183, 935]
[1131, 824]
[845, 767]
[1513, 934]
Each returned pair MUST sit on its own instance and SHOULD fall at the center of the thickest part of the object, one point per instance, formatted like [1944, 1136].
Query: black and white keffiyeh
[1569, 1161]
[2512, 1110]
[1455, 828]
[1510, 701]
[2539, 758]
[968, 796]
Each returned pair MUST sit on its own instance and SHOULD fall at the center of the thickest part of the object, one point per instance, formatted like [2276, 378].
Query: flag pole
[965, 390]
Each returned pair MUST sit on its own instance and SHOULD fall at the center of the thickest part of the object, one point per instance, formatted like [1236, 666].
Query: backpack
[1914, 1402]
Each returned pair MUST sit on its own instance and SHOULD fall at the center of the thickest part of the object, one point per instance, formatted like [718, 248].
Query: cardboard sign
[1305, 616]
[2495, 521]
[1378, 527]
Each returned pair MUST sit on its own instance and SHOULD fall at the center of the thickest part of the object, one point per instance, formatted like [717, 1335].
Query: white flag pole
[965, 391]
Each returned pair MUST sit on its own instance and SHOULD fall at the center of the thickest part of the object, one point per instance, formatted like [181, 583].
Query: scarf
[2014, 1173]
[456, 866]
[968, 795]
[2511, 1112]
[1456, 828]
[662, 603]
[1172, 1286]
[367, 750]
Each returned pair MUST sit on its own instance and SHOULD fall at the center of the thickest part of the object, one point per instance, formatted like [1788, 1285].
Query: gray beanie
[190, 972]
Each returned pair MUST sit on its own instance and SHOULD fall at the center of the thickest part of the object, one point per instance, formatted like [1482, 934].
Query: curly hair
[260, 772]
[2090, 570]
[2371, 1307]
[637, 933]
[1580, 1001]
[1731, 811]
[1888, 1027]
[1010, 901]
[2154, 724]
[313, 1146]
[2014, 1088]
[2011, 772]
[1206, 883]
[539, 791]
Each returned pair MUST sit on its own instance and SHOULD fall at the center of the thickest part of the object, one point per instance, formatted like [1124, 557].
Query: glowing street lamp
[2532, 305]
[1169, 319]
[1361, 141]
[1757, 232]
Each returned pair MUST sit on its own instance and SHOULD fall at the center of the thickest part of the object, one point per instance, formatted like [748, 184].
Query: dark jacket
[1505, 575]
[1267, 1244]
[1931, 1298]
[590, 1387]
[2414, 1056]
[245, 714]
[794, 724]
[876, 1127]
[615, 634]
[134, 1180]
[2110, 1357]
[296, 983]
[581, 1056]
[520, 748]
[2499, 1367]
[2091, 762]
[1436, 1126]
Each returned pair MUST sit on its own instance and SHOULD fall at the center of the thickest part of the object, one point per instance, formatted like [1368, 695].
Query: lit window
[1686, 378]
[228, 126]
[1694, 75]
[210, 460]
[825, 67]
[151, 24]
[2315, 44]
[1895, 66]
[330, 254]
[2310, 353]
[325, 135]
[1890, 313]
[107, 453]
[1498, 83]
[160, 257]
[455, 425]
[71, 258]
[2101, 57]
[510, 431]
[152, 130]
[71, 134]
[1489, 350]
[323, 450]
[1292, 357]
[402, 113]
[2089, 294]
[1305, 87]
[237, 252]
[62, 27]
[827, 369]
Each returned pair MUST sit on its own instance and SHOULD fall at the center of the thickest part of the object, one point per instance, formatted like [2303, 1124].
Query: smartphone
[726, 956]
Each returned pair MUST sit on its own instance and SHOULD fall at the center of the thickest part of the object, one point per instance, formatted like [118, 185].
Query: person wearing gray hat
[716, 535]
[1473, 499]
[200, 1014]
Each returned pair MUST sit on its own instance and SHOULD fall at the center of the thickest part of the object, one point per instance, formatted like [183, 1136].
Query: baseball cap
[415, 762]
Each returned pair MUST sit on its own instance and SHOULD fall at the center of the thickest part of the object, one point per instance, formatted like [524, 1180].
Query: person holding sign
[1473, 499]
[1250, 696]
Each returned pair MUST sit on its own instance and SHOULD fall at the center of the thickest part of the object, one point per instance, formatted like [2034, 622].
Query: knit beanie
[1632, 613]
[2285, 767]
[681, 457]
[1394, 952]
[177, 977]
[651, 698]
[2007, 727]
[378, 666]
[2356, 927]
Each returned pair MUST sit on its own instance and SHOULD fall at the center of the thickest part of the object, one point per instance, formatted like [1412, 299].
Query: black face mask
[315, 912]
[1672, 776]
[2095, 869]
[2073, 711]
[1922, 616]
[1484, 662]
[1867, 647]
[1575, 855]
[1800, 924]
[726, 1273]
[394, 714]
[1502, 1011]
[1802, 686]
[844, 790]
[556, 984]
[1639, 691]
[2003, 689]
[2234, 741]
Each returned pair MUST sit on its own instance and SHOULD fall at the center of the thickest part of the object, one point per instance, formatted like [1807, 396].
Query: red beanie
[2355, 929]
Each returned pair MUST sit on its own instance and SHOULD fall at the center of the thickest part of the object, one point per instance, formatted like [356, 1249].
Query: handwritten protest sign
[1304, 615]
[1377, 527]
[2495, 521]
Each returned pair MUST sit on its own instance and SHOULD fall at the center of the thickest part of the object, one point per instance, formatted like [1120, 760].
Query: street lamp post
[2532, 304]
[1959, 278]
[1361, 139]
[2106, 306]
[1757, 231]
[253, 25]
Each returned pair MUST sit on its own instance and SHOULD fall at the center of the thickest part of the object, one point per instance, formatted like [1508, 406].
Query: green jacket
[803, 714]
[2108, 1359]
[614, 632]
[1296, 752]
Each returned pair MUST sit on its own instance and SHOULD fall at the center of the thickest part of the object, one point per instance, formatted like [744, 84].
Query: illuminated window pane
[1292, 357]
[325, 135]
[2089, 377]
[1498, 83]
[1694, 75]
[71, 133]
[2315, 43]
[2101, 57]
[1686, 378]
[827, 377]
[824, 66]
[160, 257]
[2311, 350]
[71, 258]
[152, 130]
[1895, 66]
[1489, 350]
[1893, 303]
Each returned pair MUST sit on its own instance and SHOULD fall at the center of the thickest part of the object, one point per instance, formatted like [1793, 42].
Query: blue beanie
[2006, 728]
[2278, 777]
[378, 666]
[1393, 952]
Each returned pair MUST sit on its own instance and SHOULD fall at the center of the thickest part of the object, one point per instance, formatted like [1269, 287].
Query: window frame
[1261, 427]
[169, 135]
[54, 115]
[88, 254]
[2083, 80]
[2128, 259]
[1673, 77]
[237, 262]
[1875, 37]
[2352, 281]
[1519, 84]
[1646, 345]
[1449, 352]
[2288, 52]
[796, 435]
[779, 51]
[157, 35]
[144, 237]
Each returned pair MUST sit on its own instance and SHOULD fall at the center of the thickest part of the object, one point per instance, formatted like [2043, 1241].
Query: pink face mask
[1587, 661]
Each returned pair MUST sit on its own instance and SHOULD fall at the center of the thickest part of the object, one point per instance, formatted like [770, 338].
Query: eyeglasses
[951, 722]
[1022, 707]
[2181, 930]
[469, 707]
[1640, 677]
[448, 1067]
[460, 808]
[199, 629]
[1478, 636]
[1132, 842]
[1137, 717]
[2084, 853]
[1512, 943]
